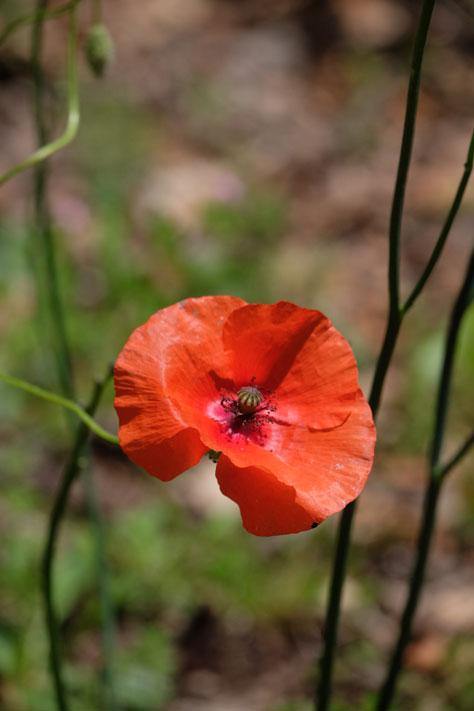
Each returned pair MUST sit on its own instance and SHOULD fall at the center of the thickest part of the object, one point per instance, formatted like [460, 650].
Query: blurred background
[236, 148]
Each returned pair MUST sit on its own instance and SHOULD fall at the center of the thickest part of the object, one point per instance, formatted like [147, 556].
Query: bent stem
[48, 555]
[82, 413]
[437, 475]
[47, 149]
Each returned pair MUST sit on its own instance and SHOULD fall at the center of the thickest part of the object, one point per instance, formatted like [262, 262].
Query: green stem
[423, 545]
[344, 533]
[395, 316]
[334, 604]
[462, 451]
[32, 17]
[72, 125]
[106, 614]
[42, 214]
[436, 477]
[61, 347]
[64, 402]
[465, 297]
[48, 555]
[406, 146]
[438, 248]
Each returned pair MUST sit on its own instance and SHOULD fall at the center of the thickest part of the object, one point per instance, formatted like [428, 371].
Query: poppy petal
[268, 507]
[321, 387]
[178, 338]
[298, 353]
[261, 340]
[315, 475]
[327, 468]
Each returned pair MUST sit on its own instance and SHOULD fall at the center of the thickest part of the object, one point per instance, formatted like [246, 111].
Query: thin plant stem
[406, 150]
[43, 226]
[31, 17]
[49, 551]
[344, 534]
[106, 615]
[395, 316]
[465, 296]
[437, 474]
[334, 604]
[82, 413]
[462, 451]
[47, 149]
[61, 347]
[423, 544]
[445, 229]
[395, 319]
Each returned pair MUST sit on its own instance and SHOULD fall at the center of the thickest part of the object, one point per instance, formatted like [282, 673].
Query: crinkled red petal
[267, 506]
[185, 338]
[317, 473]
[297, 353]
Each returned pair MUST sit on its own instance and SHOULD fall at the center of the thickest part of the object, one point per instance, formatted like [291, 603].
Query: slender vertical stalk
[437, 475]
[395, 316]
[57, 513]
[60, 345]
[106, 616]
[465, 296]
[344, 533]
[406, 148]
[43, 224]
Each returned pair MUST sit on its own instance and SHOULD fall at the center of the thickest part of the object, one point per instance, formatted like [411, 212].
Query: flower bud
[99, 49]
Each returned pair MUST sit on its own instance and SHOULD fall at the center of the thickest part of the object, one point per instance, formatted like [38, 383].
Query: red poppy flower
[272, 387]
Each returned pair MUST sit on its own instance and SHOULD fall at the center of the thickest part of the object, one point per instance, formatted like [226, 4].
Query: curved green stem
[395, 316]
[64, 402]
[73, 106]
[48, 555]
[438, 248]
[437, 474]
[32, 17]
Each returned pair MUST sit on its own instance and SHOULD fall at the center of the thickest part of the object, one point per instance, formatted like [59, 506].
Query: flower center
[249, 412]
[249, 399]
